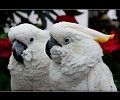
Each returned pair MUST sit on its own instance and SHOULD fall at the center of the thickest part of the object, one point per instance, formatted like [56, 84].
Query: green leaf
[104, 31]
[3, 35]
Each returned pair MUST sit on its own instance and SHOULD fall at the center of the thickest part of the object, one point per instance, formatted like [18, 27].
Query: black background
[59, 4]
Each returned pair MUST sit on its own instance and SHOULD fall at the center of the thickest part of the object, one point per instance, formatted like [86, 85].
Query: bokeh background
[106, 21]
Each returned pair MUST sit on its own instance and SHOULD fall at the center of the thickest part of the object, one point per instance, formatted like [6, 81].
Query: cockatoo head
[73, 39]
[25, 36]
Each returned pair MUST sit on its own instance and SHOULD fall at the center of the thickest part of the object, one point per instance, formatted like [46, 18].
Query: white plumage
[77, 63]
[32, 73]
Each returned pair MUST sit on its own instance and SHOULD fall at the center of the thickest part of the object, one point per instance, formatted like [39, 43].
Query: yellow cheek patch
[104, 39]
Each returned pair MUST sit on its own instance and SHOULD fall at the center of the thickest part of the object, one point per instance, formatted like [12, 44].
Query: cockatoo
[29, 62]
[77, 63]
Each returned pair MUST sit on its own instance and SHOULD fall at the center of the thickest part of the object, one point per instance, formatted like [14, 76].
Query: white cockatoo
[77, 63]
[29, 62]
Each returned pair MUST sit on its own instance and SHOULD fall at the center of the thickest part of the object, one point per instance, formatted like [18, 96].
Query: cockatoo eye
[31, 40]
[67, 40]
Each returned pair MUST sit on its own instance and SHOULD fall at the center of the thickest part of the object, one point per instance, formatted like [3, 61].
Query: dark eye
[31, 39]
[67, 40]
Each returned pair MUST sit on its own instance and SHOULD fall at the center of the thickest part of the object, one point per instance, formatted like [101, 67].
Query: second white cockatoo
[77, 63]
[28, 63]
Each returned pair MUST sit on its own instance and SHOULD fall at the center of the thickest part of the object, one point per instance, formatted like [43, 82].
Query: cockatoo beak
[50, 43]
[18, 48]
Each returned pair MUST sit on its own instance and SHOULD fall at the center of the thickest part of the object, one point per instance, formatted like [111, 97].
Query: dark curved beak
[18, 48]
[50, 43]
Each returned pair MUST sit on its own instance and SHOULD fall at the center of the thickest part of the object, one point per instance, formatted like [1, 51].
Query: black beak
[50, 43]
[18, 48]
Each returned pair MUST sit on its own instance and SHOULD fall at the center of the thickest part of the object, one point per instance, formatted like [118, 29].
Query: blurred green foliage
[114, 67]
[4, 75]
